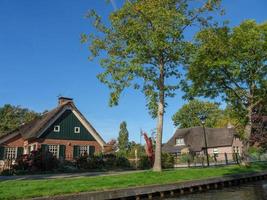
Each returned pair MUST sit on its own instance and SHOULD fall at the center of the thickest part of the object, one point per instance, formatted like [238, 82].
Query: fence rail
[187, 160]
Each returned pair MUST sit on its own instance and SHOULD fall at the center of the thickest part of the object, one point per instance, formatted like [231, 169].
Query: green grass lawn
[18, 189]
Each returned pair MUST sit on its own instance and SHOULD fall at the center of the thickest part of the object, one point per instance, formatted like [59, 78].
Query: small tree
[11, 117]
[188, 115]
[123, 139]
[232, 63]
[144, 46]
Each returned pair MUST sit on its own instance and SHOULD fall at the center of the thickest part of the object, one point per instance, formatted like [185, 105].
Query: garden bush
[255, 153]
[144, 163]
[167, 160]
[36, 161]
[100, 162]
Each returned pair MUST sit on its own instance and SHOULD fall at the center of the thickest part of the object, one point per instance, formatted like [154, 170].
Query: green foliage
[123, 139]
[141, 37]
[143, 47]
[231, 63]
[256, 152]
[235, 118]
[11, 117]
[167, 160]
[185, 158]
[36, 161]
[188, 115]
[103, 162]
[134, 146]
[144, 163]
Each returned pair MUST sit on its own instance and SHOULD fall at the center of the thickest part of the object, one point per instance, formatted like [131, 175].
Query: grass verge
[21, 189]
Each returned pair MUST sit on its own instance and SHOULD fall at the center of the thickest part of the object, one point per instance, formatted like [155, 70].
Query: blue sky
[41, 57]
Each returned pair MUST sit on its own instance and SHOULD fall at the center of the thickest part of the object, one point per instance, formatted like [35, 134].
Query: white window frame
[216, 151]
[30, 148]
[77, 129]
[179, 142]
[11, 152]
[54, 149]
[57, 128]
[84, 148]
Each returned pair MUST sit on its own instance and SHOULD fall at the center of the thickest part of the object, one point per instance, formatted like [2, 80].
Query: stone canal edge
[162, 190]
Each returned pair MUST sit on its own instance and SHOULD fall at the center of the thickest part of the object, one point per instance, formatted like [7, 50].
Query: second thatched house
[219, 141]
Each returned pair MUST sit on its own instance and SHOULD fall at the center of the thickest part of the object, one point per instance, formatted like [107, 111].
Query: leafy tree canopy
[143, 35]
[231, 63]
[188, 115]
[123, 139]
[143, 47]
[11, 117]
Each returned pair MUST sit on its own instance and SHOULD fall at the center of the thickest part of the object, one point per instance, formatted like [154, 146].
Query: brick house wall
[236, 147]
[16, 141]
[64, 127]
[69, 144]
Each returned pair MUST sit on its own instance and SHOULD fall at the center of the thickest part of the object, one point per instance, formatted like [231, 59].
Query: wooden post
[161, 194]
[226, 159]
[136, 158]
[236, 157]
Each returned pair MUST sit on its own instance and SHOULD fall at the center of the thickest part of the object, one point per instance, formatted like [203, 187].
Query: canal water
[250, 191]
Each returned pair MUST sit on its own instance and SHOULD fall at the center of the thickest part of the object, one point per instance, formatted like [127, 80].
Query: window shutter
[44, 148]
[91, 150]
[62, 149]
[19, 151]
[2, 152]
[76, 151]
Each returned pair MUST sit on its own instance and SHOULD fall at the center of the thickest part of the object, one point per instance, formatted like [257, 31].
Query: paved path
[66, 175]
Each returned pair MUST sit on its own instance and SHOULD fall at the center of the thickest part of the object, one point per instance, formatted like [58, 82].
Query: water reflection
[251, 191]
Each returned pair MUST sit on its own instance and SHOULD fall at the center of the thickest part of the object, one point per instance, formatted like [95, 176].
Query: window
[179, 141]
[215, 151]
[10, 152]
[31, 148]
[56, 128]
[54, 149]
[84, 150]
[77, 129]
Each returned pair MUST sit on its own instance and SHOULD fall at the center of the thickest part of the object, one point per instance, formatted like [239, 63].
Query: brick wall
[16, 141]
[69, 145]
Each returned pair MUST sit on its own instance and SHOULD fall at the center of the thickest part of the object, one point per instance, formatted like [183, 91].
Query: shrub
[7, 172]
[144, 163]
[167, 160]
[36, 161]
[109, 161]
[256, 152]
[122, 162]
[185, 158]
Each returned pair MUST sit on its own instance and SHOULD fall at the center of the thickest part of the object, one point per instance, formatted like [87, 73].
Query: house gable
[67, 121]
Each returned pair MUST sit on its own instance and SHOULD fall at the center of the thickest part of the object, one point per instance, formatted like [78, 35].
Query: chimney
[64, 100]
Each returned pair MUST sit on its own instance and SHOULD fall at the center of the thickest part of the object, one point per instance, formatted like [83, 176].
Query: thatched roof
[33, 129]
[194, 139]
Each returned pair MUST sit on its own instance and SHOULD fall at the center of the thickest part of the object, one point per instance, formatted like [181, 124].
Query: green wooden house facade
[63, 131]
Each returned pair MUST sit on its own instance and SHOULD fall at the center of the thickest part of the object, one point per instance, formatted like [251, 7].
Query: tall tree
[11, 117]
[232, 63]
[143, 46]
[123, 139]
[188, 115]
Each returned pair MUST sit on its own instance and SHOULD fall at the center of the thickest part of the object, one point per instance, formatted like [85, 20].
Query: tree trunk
[157, 163]
[248, 131]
